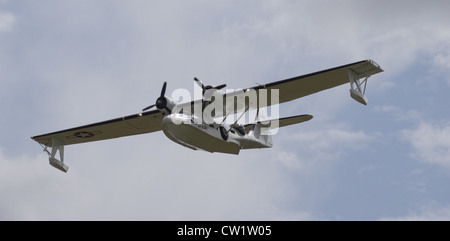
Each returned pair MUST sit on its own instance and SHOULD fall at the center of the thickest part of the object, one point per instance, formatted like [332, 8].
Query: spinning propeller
[161, 102]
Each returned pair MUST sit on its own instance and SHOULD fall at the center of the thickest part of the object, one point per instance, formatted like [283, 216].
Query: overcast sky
[69, 63]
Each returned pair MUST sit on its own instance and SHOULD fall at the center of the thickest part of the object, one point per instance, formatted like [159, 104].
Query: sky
[69, 63]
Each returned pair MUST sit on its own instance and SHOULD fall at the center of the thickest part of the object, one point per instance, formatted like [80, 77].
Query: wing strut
[358, 88]
[57, 145]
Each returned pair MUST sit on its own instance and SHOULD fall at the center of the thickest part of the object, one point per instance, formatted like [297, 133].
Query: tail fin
[260, 135]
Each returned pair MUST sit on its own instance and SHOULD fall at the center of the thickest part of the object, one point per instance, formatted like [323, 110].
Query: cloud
[123, 180]
[385, 108]
[430, 143]
[441, 61]
[7, 21]
[113, 61]
[86, 77]
[32, 190]
[399, 114]
[316, 148]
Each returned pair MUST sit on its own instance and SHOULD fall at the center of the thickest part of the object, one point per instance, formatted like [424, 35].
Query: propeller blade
[220, 86]
[208, 87]
[161, 101]
[199, 83]
[163, 91]
[148, 107]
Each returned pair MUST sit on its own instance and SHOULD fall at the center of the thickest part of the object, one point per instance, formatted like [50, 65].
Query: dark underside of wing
[124, 126]
[301, 86]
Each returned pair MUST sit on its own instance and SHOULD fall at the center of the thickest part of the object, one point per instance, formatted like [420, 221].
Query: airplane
[186, 123]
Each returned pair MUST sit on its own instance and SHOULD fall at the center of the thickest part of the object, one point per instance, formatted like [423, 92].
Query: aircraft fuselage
[190, 131]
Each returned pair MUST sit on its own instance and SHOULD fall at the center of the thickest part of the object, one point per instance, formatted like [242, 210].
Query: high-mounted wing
[304, 85]
[124, 126]
[297, 87]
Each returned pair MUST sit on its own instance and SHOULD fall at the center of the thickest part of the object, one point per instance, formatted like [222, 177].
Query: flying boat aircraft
[187, 123]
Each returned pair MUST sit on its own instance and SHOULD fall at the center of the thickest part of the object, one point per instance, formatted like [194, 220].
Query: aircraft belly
[247, 143]
[197, 137]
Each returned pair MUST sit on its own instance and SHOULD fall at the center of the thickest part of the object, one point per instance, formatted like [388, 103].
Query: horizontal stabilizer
[294, 120]
[286, 121]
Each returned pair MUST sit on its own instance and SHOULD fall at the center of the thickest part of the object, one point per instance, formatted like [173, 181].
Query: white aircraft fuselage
[190, 131]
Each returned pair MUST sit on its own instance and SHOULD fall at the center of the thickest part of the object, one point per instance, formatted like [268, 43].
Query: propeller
[161, 102]
[208, 87]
